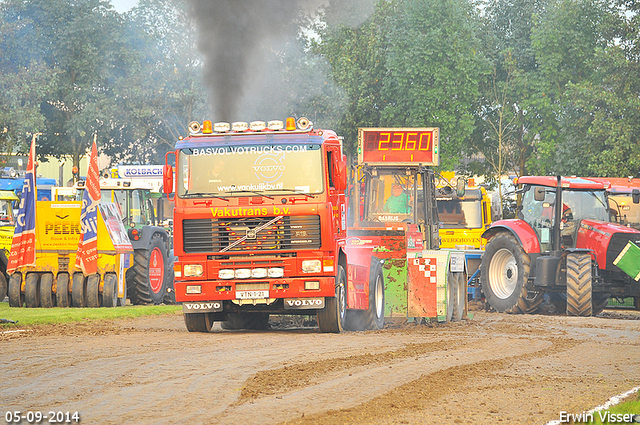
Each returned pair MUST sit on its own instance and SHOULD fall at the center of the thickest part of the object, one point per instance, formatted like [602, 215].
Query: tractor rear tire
[198, 322]
[332, 317]
[47, 297]
[579, 289]
[78, 290]
[32, 290]
[110, 290]
[146, 281]
[3, 287]
[504, 273]
[16, 297]
[62, 290]
[93, 291]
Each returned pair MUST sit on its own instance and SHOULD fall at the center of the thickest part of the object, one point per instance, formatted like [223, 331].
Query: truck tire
[32, 290]
[257, 321]
[110, 290]
[145, 287]
[459, 297]
[3, 287]
[579, 295]
[93, 291]
[47, 297]
[198, 322]
[504, 272]
[78, 290]
[599, 302]
[374, 316]
[169, 297]
[62, 290]
[16, 297]
[331, 318]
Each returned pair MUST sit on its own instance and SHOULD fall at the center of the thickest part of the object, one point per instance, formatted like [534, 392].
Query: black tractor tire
[198, 322]
[78, 290]
[256, 321]
[142, 288]
[579, 285]
[93, 291]
[599, 302]
[32, 290]
[4, 287]
[62, 290]
[110, 290]
[16, 297]
[332, 317]
[374, 316]
[459, 296]
[504, 272]
[47, 297]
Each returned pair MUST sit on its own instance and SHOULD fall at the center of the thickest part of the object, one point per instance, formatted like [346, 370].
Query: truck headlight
[259, 273]
[226, 274]
[276, 272]
[243, 273]
[311, 266]
[192, 270]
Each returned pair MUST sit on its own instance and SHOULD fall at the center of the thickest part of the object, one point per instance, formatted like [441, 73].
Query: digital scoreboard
[398, 146]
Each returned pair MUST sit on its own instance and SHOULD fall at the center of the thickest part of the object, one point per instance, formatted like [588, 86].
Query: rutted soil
[492, 369]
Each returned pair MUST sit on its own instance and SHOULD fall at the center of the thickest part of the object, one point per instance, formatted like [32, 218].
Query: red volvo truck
[260, 228]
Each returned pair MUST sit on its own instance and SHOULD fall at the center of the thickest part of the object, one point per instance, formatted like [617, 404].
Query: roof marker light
[239, 126]
[291, 124]
[206, 127]
[257, 125]
[221, 127]
[275, 125]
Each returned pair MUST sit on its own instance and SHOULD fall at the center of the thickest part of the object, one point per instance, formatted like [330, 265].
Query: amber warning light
[398, 146]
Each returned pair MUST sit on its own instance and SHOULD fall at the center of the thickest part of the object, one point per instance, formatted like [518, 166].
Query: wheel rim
[343, 302]
[156, 270]
[503, 274]
[379, 295]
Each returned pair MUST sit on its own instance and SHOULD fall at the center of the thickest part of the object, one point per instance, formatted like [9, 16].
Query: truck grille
[616, 245]
[287, 233]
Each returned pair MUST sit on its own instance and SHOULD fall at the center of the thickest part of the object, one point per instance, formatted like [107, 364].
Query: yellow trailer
[55, 281]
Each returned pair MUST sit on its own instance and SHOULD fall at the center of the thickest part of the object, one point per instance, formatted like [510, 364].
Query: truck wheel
[579, 296]
[331, 317]
[93, 291]
[16, 297]
[78, 290]
[198, 322]
[62, 290]
[32, 290]
[257, 321]
[503, 274]
[145, 278]
[3, 287]
[169, 297]
[459, 297]
[374, 316]
[47, 297]
[110, 290]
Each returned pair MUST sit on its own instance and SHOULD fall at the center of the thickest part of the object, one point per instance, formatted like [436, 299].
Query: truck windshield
[250, 170]
[624, 210]
[457, 213]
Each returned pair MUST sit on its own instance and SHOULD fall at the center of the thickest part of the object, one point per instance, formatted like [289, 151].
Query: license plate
[252, 295]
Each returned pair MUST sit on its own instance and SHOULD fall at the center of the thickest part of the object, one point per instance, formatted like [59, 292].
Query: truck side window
[330, 167]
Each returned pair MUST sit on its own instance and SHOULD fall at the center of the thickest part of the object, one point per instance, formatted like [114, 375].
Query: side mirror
[539, 193]
[635, 196]
[341, 176]
[167, 179]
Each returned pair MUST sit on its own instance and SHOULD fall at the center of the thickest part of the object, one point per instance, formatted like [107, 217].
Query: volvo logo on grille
[251, 233]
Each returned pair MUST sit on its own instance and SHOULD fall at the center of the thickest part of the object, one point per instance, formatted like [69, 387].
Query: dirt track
[493, 369]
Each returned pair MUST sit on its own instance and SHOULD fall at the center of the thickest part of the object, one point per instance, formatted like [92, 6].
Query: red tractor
[562, 243]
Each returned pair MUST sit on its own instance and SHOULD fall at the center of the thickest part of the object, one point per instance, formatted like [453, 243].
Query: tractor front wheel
[146, 281]
[579, 288]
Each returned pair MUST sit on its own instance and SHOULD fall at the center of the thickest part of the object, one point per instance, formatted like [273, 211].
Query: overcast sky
[123, 5]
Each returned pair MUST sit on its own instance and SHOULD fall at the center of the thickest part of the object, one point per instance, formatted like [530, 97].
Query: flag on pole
[23, 247]
[87, 255]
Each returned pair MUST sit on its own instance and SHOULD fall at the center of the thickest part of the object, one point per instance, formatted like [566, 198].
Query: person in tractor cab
[568, 226]
[398, 202]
